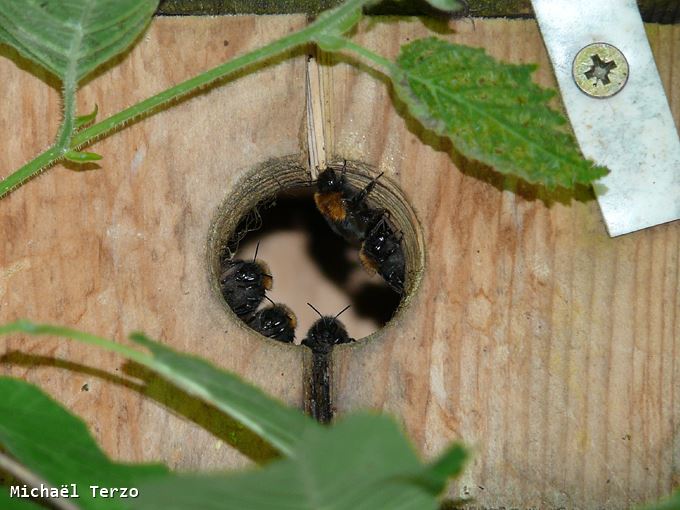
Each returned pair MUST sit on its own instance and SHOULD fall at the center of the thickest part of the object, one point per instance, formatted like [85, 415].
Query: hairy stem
[68, 123]
[338, 43]
[326, 23]
[30, 169]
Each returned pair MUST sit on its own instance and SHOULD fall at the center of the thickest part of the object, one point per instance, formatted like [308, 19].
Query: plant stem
[203, 80]
[326, 23]
[342, 43]
[23, 326]
[68, 123]
[29, 170]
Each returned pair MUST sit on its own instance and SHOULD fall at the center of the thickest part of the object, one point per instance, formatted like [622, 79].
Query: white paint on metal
[632, 133]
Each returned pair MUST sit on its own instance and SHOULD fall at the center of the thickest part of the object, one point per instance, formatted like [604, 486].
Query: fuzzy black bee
[382, 252]
[327, 332]
[324, 334]
[243, 284]
[276, 321]
[344, 206]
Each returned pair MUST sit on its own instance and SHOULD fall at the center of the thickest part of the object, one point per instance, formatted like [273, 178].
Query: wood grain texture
[550, 347]
[123, 248]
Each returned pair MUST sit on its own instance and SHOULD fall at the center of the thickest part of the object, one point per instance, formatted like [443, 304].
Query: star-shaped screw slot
[600, 69]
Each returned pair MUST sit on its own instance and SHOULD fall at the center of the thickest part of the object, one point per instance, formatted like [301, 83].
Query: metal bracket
[632, 131]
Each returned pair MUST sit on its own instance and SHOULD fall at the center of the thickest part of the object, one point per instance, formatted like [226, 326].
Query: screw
[600, 70]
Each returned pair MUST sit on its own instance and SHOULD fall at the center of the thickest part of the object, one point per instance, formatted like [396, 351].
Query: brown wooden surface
[534, 337]
[124, 247]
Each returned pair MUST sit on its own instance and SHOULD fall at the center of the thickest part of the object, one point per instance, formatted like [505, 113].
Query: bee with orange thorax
[244, 283]
[344, 206]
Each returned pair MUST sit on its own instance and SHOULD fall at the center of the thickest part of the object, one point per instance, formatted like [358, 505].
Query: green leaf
[73, 38]
[491, 111]
[670, 503]
[82, 157]
[364, 462]
[446, 5]
[268, 418]
[57, 446]
[277, 424]
[7, 503]
[84, 120]
[449, 464]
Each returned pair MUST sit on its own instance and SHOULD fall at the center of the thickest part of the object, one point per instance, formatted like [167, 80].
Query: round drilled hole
[273, 205]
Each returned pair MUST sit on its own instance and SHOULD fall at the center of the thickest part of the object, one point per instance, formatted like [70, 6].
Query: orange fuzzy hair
[331, 205]
[370, 265]
[267, 280]
[290, 314]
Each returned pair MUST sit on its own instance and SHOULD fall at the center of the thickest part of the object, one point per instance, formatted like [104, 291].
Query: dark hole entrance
[307, 260]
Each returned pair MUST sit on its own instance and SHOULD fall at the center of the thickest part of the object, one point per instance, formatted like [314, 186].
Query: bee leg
[382, 223]
[343, 173]
[378, 216]
[359, 197]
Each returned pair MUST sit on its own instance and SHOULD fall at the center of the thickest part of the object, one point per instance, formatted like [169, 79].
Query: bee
[343, 206]
[382, 252]
[326, 333]
[243, 284]
[276, 321]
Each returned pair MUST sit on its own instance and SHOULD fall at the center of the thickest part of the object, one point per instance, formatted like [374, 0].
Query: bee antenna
[256, 248]
[317, 311]
[372, 183]
[341, 311]
[269, 299]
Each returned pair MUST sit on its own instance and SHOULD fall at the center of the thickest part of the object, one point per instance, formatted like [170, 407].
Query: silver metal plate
[632, 133]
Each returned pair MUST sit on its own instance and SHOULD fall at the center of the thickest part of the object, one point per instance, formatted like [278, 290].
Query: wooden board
[550, 347]
[123, 248]
[534, 337]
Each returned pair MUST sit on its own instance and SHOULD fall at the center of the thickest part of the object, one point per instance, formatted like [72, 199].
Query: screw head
[600, 70]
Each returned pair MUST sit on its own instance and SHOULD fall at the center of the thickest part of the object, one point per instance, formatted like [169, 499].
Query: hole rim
[276, 175]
